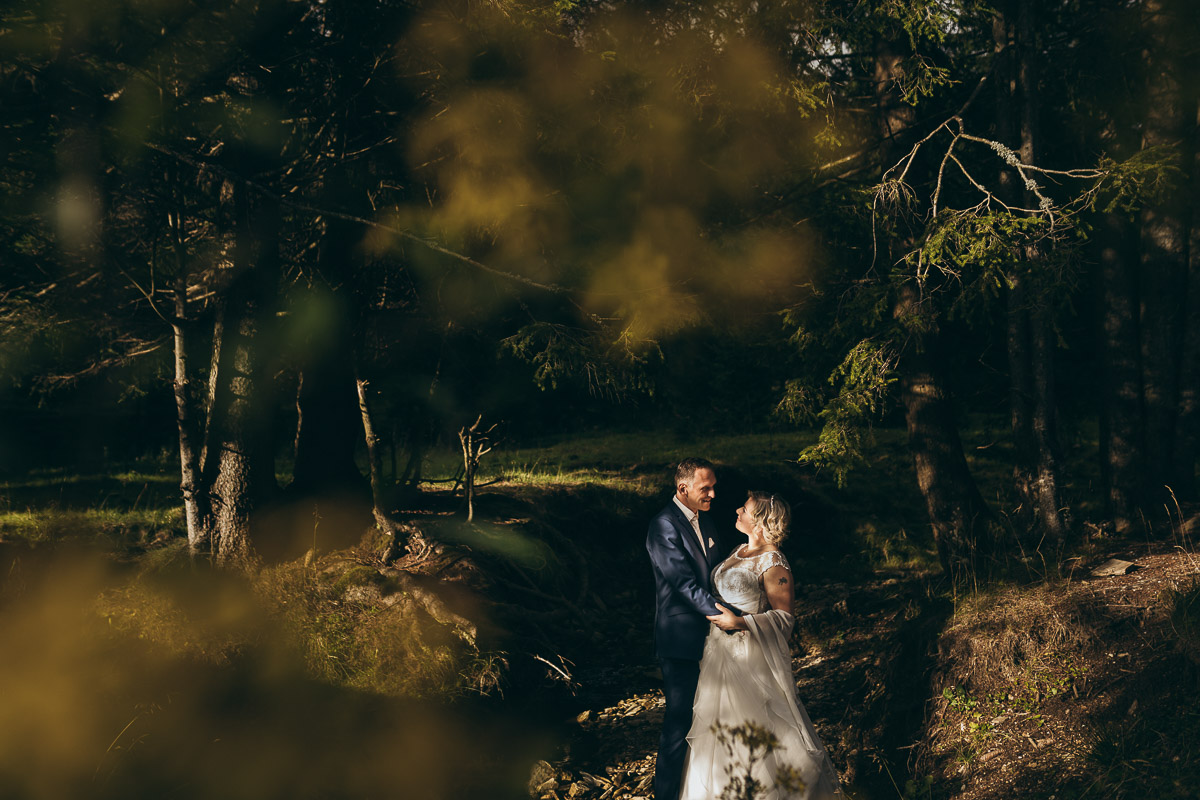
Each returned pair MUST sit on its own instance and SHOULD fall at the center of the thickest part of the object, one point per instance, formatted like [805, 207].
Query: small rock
[541, 778]
[1114, 566]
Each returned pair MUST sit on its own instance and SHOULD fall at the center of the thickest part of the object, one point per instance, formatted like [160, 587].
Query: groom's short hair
[687, 469]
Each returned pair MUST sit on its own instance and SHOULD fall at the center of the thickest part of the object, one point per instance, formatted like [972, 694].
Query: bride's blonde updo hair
[773, 513]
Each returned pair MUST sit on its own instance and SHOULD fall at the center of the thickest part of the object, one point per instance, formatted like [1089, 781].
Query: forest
[347, 348]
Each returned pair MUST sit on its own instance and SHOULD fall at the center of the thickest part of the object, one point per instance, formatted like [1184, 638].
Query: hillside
[531, 629]
[1068, 689]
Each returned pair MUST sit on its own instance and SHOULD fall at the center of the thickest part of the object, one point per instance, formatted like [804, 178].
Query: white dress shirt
[694, 518]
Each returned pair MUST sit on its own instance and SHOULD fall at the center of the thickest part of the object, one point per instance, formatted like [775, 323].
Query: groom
[683, 551]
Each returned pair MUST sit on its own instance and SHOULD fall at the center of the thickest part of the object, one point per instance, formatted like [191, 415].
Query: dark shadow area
[68, 491]
[93, 712]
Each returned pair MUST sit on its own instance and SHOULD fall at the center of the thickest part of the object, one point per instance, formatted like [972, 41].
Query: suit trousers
[680, 677]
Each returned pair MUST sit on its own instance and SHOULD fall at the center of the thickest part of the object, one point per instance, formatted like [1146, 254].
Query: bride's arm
[781, 594]
[777, 581]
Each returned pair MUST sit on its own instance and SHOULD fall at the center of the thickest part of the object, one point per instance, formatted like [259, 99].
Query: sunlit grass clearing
[46, 525]
[607, 457]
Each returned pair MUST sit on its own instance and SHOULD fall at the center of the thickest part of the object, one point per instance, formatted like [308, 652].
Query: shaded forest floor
[1067, 687]
[1084, 689]
[524, 640]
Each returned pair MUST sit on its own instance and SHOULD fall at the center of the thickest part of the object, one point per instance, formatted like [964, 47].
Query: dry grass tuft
[358, 628]
[996, 638]
[346, 623]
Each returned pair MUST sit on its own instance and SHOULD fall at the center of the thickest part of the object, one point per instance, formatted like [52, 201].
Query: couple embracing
[721, 626]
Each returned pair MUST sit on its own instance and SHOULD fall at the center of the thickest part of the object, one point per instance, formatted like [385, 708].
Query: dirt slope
[1081, 688]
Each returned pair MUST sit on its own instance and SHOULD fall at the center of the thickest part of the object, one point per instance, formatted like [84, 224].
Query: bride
[746, 673]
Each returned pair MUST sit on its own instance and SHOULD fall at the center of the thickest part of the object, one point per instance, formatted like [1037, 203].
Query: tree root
[435, 606]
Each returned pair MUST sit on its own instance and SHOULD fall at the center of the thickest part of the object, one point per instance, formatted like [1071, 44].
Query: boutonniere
[711, 543]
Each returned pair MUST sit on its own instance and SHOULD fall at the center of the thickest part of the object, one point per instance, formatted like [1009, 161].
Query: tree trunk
[194, 508]
[1031, 339]
[1049, 509]
[379, 493]
[1163, 260]
[469, 465]
[1043, 342]
[239, 462]
[952, 499]
[943, 477]
[1020, 364]
[1020, 403]
[1188, 440]
[1121, 401]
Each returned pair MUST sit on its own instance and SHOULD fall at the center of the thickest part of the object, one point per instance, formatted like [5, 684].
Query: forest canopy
[277, 238]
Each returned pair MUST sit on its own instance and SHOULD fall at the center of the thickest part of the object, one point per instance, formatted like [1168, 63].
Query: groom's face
[698, 493]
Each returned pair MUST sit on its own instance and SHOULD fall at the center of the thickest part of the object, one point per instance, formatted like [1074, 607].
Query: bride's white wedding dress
[747, 677]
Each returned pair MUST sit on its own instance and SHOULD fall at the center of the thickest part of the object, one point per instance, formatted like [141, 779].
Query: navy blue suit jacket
[683, 594]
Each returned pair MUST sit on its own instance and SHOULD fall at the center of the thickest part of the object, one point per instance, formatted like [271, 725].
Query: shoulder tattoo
[783, 581]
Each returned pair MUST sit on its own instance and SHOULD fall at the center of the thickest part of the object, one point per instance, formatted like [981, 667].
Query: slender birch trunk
[191, 486]
[379, 493]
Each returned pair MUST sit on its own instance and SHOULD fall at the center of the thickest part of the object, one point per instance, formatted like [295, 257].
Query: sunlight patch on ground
[53, 524]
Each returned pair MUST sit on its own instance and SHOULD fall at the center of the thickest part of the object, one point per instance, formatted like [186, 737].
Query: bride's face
[745, 520]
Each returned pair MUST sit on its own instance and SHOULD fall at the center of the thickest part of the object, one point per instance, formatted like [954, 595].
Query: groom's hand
[727, 620]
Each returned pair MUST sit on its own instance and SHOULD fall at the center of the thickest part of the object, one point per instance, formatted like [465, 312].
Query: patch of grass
[130, 507]
[964, 704]
[998, 637]
[125, 527]
[620, 456]
[1006, 653]
[880, 509]
[393, 649]
[121, 489]
[533, 475]
[208, 617]
[212, 616]
[894, 548]
[359, 575]
[510, 543]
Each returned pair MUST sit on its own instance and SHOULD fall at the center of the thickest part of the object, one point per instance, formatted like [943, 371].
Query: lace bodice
[738, 581]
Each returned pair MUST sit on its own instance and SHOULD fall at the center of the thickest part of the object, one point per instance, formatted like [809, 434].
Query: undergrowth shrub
[347, 624]
[392, 648]
[999, 639]
[1005, 651]
[180, 610]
